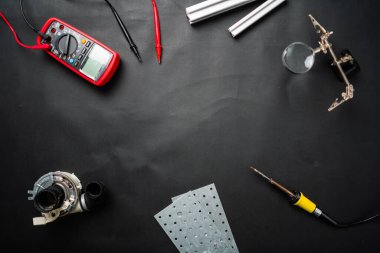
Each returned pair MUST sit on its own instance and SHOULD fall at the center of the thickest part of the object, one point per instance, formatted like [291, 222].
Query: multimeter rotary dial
[67, 44]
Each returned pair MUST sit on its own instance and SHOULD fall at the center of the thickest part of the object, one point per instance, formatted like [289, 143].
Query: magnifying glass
[298, 57]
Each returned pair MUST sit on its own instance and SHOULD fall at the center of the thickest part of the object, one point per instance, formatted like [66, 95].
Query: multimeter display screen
[96, 62]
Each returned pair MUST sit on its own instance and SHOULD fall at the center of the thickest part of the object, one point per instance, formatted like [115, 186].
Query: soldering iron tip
[260, 173]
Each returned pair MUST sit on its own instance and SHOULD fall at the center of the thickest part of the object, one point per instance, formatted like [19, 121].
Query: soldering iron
[299, 199]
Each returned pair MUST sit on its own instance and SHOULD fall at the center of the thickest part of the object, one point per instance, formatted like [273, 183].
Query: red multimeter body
[81, 53]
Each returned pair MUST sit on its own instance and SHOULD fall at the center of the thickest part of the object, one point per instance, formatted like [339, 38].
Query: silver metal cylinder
[210, 8]
[254, 16]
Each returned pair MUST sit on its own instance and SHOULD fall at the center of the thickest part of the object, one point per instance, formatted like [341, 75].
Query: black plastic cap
[94, 195]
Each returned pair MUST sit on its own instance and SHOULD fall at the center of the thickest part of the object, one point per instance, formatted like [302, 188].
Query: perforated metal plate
[208, 198]
[190, 228]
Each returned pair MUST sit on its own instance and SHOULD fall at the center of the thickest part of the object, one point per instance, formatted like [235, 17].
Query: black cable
[43, 35]
[332, 221]
[26, 19]
[365, 220]
[125, 31]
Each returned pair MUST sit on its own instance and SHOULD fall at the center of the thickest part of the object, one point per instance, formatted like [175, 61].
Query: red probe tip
[159, 59]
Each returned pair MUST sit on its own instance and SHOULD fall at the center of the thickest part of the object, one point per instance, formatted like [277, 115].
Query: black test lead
[43, 35]
[125, 31]
[299, 199]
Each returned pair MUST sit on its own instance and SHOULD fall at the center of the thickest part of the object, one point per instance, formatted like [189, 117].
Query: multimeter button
[80, 57]
[53, 30]
[61, 27]
[84, 50]
[83, 41]
[76, 64]
[71, 60]
[88, 43]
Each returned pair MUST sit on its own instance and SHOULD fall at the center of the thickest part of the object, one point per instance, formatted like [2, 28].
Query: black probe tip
[136, 52]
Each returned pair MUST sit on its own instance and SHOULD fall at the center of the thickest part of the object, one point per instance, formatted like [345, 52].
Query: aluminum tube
[254, 16]
[210, 8]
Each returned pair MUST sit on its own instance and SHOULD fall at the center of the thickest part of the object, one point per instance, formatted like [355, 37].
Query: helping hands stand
[326, 47]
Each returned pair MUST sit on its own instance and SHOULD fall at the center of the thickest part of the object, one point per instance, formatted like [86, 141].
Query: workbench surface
[215, 106]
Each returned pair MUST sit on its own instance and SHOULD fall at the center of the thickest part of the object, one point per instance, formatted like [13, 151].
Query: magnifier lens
[298, 57]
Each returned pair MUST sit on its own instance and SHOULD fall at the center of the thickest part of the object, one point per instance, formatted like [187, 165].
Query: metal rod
[271, 181]
[349, 87]
[254, 16]
[339, 66]
[210, 8]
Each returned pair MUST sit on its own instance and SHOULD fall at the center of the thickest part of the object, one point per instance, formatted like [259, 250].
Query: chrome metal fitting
[210, 8]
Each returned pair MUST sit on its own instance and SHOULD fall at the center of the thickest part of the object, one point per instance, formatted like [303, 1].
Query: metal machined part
[42, 183]
[71, 187]
[210, 8]
[58, 194]
[317, 212]
[254, 16]
[83, 203]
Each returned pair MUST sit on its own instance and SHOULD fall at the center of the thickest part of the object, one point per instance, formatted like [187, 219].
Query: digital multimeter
[81, 53]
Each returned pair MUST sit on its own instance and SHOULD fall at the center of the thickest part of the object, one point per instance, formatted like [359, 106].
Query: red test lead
[35, 47]
[157, 32]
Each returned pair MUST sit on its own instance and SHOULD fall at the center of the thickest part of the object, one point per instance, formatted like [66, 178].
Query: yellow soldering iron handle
[309, 206]
[304, 203]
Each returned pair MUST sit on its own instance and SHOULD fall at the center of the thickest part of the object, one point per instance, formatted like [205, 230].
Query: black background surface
[215, 106]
